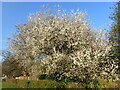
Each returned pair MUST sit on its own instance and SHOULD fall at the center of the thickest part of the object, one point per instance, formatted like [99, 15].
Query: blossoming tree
[69, 47]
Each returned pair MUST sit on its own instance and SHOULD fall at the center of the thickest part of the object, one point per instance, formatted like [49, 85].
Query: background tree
[0, 67]
[115, 33]
[10, 66]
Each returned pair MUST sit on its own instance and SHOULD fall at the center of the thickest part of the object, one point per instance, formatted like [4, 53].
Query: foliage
[115, 33]
[10, 66]
[39, 84]
[42, 77]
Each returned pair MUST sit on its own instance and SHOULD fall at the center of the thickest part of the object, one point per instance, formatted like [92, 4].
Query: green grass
[8, 85]
[54, 84]
[117, 82]
[39, 84]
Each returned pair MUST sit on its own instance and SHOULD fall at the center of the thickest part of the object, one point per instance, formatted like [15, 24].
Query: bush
[43, 76]
[39, 84]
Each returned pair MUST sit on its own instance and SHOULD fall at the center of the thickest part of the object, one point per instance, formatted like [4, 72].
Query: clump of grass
[8, 85]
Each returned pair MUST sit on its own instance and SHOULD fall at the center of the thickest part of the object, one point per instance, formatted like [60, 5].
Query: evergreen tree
[115, 32]
[10, 66]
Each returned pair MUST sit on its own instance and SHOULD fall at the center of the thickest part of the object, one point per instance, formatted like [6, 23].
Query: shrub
[42, 77]
[39, 84]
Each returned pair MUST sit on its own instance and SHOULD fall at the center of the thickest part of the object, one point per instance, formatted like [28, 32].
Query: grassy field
[8, 85]
[54, 84]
